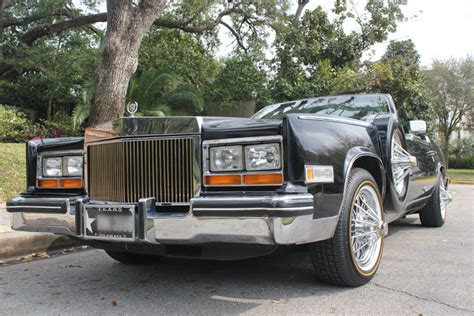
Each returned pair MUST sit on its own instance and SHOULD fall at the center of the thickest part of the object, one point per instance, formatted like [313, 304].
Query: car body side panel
[324, 141]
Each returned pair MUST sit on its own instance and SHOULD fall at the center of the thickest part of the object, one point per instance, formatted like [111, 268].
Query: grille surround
[126, 170]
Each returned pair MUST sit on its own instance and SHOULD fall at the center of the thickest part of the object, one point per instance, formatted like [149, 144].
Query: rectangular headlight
[72, 166]
[263, 157]
[52, 167]
[226, 158]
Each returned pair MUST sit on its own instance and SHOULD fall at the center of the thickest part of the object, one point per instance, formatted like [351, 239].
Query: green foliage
[451, 86]
[60, 125]
[159, 92]
[12, 167]
[83, 109]
[184, 53]
[47, 75]
[239, 80]
[14, 125]
[462, 148]
[316, 56]
[399, 73]
[461, 162]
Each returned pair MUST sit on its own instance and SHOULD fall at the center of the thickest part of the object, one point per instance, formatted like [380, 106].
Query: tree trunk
[446, 149]
[126, 25]
[49, 111]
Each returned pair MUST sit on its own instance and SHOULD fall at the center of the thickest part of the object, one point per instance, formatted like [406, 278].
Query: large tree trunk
[126, 25]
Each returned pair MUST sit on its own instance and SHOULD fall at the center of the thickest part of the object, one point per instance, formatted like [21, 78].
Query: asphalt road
[423, 271]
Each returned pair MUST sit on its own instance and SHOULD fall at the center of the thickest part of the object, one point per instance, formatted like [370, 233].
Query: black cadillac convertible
[327, 172]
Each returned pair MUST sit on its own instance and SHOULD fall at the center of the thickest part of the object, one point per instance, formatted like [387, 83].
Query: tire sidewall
[437, 201]
[359, 178]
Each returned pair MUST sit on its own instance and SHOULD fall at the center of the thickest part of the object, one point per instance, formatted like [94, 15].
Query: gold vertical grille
[126, 171]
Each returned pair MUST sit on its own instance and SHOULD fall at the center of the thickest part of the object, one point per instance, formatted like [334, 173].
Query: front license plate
[109, 222]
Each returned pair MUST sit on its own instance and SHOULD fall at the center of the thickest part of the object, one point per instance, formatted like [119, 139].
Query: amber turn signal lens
[224, 180]
[63, 183]
[263, 178]
[48, 183]
[70, 183]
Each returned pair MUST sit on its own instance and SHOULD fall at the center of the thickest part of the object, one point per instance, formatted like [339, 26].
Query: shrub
[461, 162]
[60, 125]
[14, 125]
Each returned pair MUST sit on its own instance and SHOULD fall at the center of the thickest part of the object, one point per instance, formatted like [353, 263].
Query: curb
[17, 244]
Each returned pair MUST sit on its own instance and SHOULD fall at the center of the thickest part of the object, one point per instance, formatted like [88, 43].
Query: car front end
[215, 188]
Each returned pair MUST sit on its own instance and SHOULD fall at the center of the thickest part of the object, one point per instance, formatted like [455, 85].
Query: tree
[451, 86]
[48, 73]
[239, 84]
[127, 23]
[316, 55]
[398, 73]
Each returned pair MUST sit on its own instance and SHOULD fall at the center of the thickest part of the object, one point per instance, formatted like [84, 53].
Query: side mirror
[418, 127]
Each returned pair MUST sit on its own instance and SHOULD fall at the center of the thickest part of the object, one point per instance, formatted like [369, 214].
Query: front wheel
[352, 256]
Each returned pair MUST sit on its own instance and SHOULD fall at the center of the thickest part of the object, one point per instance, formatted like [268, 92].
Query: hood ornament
[132, 108]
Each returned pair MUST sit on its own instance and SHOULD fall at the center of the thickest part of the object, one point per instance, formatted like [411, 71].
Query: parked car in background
[327, 172]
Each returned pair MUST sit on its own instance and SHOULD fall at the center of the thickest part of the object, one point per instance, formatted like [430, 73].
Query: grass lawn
[12, 170]
[465, 176]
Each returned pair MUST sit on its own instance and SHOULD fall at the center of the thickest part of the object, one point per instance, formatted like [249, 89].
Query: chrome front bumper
[265, 220]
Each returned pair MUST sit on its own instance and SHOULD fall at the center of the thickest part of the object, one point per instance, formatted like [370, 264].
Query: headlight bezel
[64, 179]
[243, 142]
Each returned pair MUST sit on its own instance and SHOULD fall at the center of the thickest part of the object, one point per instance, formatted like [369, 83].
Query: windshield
[352, 106]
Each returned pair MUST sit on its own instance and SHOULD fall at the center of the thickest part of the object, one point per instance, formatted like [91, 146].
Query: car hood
[208, 127]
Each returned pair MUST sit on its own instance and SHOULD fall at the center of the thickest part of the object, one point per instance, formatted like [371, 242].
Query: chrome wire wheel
[367, 229]
[443, 198]
[400, 164]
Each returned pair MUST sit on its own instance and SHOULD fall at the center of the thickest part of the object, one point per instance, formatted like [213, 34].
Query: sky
[440, 29]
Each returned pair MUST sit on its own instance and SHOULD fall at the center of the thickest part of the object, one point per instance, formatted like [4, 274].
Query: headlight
[226, 158]
[52, 167]
[263, 157]
[62, 166]
[72, 166]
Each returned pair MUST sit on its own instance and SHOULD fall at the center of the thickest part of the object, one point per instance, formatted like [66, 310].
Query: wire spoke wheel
[443, 199]
[367, 229]
[400, 164]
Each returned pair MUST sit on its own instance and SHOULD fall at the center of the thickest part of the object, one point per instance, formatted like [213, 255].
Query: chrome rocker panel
[263, 220]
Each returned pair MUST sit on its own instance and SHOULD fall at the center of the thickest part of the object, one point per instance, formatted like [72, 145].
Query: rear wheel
[352, 256]
[434, 212]
[132, 258]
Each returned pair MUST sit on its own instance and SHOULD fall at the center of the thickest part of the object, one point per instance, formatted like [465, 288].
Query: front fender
[315, 140]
